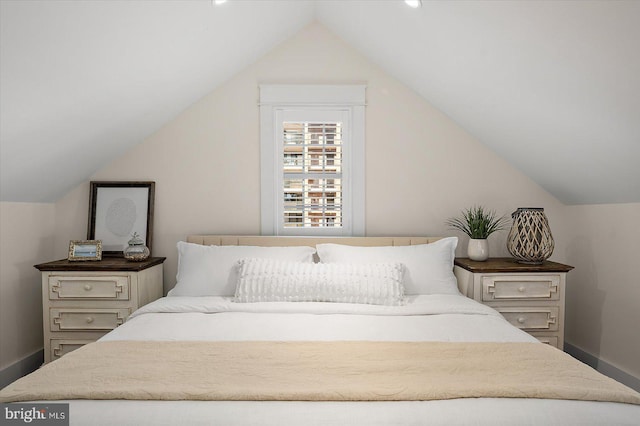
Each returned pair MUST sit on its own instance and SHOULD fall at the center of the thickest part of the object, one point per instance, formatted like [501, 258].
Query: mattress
[444, 318]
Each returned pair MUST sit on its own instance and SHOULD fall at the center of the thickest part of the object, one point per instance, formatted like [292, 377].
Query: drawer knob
[521, 320]
[87, 287]
[89, 320]
[522, 289]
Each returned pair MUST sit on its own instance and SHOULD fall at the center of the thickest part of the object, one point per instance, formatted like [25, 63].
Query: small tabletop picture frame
[83, 250]
[117, 209]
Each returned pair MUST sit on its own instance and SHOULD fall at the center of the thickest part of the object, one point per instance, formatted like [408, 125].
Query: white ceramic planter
[478, 249]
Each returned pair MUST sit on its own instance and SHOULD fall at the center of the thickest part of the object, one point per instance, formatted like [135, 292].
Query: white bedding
[423, 318]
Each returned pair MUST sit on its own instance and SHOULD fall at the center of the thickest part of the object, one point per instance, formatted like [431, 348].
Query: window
[314, 176]
[312, 159]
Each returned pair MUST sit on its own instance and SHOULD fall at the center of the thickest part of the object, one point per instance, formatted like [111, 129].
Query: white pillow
[266, 280]
[428, 267]
[212, 270]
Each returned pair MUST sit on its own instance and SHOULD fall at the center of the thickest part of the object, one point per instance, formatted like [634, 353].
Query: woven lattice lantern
[530, 239]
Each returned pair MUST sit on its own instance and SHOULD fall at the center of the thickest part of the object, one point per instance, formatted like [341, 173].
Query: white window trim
[274, 99]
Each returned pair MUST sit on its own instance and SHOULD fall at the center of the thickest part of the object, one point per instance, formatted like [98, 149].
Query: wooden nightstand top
[508, 264]
[106, 264]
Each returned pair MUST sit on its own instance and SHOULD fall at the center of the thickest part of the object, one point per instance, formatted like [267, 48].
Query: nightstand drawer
[88, 287]
[543, 318]
[83, 301]
[61, 347]
[549, 340]
[531, 297]
[518, 287]
[71, 319]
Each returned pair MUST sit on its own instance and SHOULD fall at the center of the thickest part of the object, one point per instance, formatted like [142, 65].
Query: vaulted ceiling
[552, 87]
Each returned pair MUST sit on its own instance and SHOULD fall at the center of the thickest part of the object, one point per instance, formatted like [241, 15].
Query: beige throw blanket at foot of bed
[315, 371]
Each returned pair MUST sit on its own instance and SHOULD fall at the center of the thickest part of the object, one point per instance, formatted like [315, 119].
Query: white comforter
[423, 318]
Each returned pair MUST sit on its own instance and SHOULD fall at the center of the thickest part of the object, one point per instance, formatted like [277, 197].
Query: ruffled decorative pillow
[266, 280]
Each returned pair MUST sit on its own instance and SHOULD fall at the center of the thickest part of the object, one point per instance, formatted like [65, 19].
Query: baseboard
[603, 366]
[21, 368]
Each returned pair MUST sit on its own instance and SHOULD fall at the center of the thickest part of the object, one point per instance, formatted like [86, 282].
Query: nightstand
[83, 301]
[531, 297]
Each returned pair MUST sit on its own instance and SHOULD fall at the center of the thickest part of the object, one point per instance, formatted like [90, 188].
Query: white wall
[421, 166]
[27, 236]
[421, 169]
[603, 296]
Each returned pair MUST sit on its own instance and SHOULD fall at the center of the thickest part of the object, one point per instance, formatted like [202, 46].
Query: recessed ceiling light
[217, 2]
[413, 3]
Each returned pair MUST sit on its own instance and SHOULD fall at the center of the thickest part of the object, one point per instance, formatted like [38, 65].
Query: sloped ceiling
[81, 82]
[553, 87]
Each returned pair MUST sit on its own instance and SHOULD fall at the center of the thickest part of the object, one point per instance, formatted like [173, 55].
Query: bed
[358, 331]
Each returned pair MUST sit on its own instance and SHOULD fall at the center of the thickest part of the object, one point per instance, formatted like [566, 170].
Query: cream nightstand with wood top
[531, 297]
[83, 301]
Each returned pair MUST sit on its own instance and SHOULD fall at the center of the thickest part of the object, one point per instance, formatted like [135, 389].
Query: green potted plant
[478, 223]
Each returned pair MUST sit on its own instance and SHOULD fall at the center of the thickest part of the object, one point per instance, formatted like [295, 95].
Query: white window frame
[281, 101]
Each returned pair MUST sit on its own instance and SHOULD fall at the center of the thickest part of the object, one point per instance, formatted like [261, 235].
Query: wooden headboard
[274, 241]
